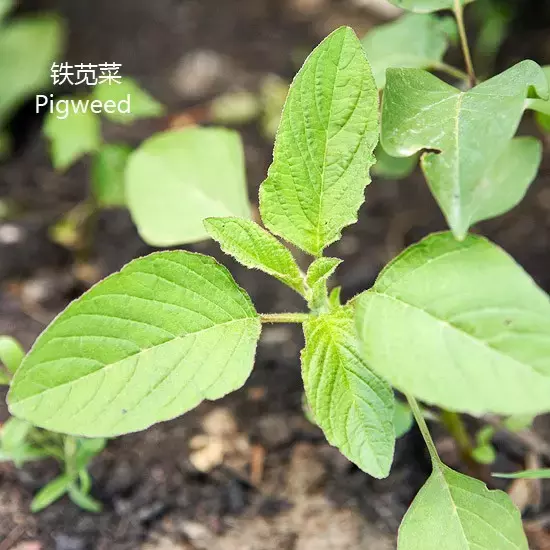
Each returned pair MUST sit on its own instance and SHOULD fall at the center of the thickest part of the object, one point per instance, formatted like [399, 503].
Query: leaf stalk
[459, 14]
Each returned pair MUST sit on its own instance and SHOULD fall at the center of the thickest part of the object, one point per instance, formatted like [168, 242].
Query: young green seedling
[453, 323]
[21, 442]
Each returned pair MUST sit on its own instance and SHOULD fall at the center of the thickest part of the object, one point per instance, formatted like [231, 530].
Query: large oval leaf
[177, 179]
[323, 150]
[460, 325]
[456, 512]
[351, 404]
[143, 346]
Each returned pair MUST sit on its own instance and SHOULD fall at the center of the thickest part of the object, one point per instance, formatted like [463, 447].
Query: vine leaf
[174, 182]
[414, 41]
[255, 248]
[442, 324]
[426, 6]
[465, 132]
[456, 512]
[351, 404]
[143, 346]
[323, 150]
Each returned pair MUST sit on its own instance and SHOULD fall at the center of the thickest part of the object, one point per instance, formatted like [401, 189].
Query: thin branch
[459, 14]
[284, 317]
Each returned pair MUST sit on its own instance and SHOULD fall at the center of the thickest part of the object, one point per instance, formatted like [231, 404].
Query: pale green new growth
[255, 248]
[11, 353]
[317, 276]
[459, 325]
[143, 346]
[426, 6]
[352, 405]
[142, 104]
[469, 130]
[414, 41]
[324, 146]
[455, 512]
[108, 168]
[178, 178]
[543, 473]
[72, 137]
[542, 106]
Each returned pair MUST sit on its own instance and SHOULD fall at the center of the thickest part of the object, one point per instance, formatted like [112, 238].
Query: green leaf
[255, 248]
[88, 449]
[505, 182]
[317, 276]
[5, 7]
[142, 105]
[393, 167]
[22, 454]
[323, 150]
[542, 106]
[415, 41]
[484, 452]
[426, 6]
[14, 434]
[465, 133]
[84, 501]
[459, 325]
[456, 512]
[108, 168]
[51, 492]
[353, 407]
[143, 346]
[519, 422]
[403, 419]
[177, 179]
[28, 46]
[543, 473]
[11, 353]
[72, 137]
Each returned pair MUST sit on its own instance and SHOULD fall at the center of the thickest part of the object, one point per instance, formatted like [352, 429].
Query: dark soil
[308, 497]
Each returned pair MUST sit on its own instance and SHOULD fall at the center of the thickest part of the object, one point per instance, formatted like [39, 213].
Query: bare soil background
[271, 480]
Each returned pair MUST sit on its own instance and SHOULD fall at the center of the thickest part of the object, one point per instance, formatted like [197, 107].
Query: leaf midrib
[143, 351]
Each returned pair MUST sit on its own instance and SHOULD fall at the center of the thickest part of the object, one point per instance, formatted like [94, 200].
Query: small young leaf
[255, 248]
[22, 454]
[323, 150]
[177, 179]
[415, 41]
[443, 324]
[519, 422]
[4, 378]
[393, 167]
[28, 46]
[11, 353]
[72, 137]
[83, 500]
[403, 419]
[88, 449]
[5, 7]
[317, 276]
[353, 407]
[542, 107]
[543, 473]
[426, 6]
[141, 105]
[51, 492]
[108, 167]
[456, 512]
[143, 346]
[469, 131]
[14, 434]
[484, 452]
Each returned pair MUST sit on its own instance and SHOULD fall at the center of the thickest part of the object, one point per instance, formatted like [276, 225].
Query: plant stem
[284, 317]
[455, 425]
[459, 14]
[419, 417]
[452, 71]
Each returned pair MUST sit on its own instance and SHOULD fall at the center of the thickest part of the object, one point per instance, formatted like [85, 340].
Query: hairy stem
[419, 417]
[284, 317]
[459, 14]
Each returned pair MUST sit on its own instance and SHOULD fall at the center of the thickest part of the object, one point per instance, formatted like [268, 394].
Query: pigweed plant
[451, 322]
